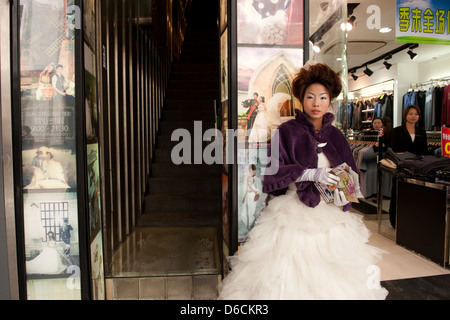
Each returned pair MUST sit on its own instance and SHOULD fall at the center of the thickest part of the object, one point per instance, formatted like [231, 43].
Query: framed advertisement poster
[269, 41]
[46, 53]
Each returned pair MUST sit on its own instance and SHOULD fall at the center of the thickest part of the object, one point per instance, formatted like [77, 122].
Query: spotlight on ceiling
[368, 71]
[318, 46]
[354, 76]
[387, 65]
[412, 54]
[349, 24]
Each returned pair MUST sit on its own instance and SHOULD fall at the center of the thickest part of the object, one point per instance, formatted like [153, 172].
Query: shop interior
[380, 71]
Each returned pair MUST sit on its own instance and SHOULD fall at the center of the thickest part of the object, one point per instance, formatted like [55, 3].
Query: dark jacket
[401, 140]
[298, 151]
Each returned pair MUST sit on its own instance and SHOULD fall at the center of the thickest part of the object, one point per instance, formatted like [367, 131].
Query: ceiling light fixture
[349, 24]
[354, 76]
[412, 54]
[387, 65]
[368, 71]
[318, 46]
[385, 30]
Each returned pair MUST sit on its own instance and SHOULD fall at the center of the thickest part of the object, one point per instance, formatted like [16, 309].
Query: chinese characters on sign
[423, 22]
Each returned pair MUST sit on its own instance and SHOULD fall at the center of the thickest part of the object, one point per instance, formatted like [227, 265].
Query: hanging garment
[445, 114]
[429, 109]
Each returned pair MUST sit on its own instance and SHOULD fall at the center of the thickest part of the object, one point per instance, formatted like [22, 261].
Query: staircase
[174, 251]
[188, 194]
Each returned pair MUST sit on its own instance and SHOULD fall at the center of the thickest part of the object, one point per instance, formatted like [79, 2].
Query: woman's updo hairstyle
[316, 73]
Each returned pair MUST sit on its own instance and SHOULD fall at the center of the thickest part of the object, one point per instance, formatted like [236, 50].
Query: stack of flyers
[346, 184]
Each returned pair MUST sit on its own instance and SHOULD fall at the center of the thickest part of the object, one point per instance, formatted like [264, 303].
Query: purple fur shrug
[298, 151]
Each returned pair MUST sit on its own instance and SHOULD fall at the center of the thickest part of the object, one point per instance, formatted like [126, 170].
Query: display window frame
[258, 150]
[60, 140]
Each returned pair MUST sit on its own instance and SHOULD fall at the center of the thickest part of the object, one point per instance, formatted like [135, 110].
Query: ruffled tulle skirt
[298, 252]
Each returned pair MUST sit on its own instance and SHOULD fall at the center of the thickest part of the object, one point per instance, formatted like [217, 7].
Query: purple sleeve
[283, 169]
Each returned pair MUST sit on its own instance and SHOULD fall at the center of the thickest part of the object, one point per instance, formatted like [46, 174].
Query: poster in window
[47, 74]
[90, 92]
[94, 189]
[48, 158]
[224, 65]
[270, 22]
[97, 268]
[47, 168]
[269, 55]
[51, 234]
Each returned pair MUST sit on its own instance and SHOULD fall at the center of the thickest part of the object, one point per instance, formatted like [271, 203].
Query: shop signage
[419, 21]
[445, 141]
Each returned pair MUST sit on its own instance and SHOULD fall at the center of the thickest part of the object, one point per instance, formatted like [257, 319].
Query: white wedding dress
[298, 252]
[49, 261]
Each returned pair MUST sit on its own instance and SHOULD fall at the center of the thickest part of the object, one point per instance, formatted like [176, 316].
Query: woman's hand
[339, 198]
[322, 175]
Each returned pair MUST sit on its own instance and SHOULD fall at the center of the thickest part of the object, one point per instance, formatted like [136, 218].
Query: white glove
[322, 175]
[356, 184]
[339, 198]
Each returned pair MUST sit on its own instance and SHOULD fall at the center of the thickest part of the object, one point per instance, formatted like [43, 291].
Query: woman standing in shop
[408, 137]
[303, 247]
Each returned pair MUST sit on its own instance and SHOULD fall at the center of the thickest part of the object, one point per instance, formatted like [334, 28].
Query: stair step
[193, 84]
[181, 203]
[164, 143]
[191, 105]
[192, 94]
[181, 186]
[197, 68]
[188, 115]
[165, 155]
[167, 127]
[170, 170]
[175, 219]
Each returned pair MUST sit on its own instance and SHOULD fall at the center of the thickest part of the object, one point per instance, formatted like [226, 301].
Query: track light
[349, 24]
[412, 55]
[354, 76]
[318, 46]
[387, 65]
[368, 71]
[388, 56]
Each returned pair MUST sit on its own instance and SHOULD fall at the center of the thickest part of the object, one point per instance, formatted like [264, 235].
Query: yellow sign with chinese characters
[422, 21]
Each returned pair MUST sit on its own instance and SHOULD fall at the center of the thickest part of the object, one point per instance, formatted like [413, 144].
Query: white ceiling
[365, 44]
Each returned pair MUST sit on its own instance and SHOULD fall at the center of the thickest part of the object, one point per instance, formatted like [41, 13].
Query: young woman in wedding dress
[302, 247]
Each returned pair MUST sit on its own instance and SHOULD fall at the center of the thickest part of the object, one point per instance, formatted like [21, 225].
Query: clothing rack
[429, 82]
[371, 96]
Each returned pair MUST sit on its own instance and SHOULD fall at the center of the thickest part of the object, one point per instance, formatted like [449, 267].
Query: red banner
[445, 142]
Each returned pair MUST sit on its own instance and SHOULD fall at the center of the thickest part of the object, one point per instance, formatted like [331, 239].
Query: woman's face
[316, 101]
[377, 124]
[412, 116]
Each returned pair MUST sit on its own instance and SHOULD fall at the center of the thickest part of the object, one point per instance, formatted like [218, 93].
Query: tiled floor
[398, 262]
